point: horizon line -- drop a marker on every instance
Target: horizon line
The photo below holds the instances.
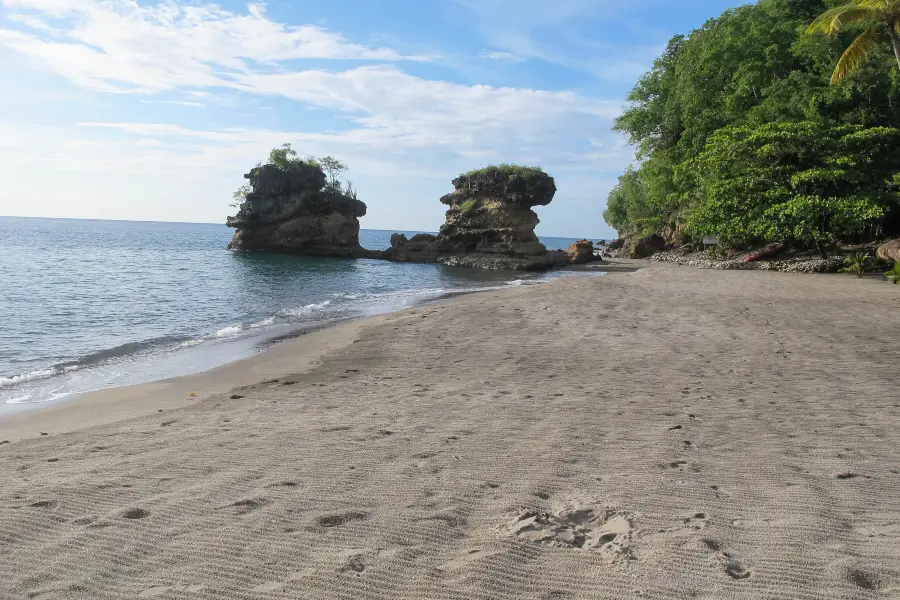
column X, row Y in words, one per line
column 565, row 237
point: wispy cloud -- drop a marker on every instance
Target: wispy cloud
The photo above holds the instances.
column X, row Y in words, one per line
column 119, row 45
column 549, row 31
column 503, row 56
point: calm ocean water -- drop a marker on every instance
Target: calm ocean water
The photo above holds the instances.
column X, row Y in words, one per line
column 86, row 305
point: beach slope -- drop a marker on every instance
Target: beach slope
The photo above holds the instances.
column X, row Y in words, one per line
column 669, row 433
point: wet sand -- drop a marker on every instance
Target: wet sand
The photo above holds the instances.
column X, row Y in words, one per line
column 668, row 433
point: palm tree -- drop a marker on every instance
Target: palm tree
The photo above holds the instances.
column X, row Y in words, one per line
column 884, row 13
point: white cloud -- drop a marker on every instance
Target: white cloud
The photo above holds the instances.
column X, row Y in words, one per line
column 111, row 45
column 393, row 128
column 503, row 57
column 163, row 172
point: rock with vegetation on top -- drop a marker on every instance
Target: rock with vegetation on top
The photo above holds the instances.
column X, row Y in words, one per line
column 292, row 208
column 489, row 223
column 890, row 250
column 581, row 252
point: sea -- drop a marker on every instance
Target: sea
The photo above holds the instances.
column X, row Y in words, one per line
column 91, row 304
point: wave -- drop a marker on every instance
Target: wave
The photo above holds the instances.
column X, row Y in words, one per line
column 89, row 360
column 229, row 331
column 306, row 310
column 263, row 323
column 129, row 348
column 26, row 377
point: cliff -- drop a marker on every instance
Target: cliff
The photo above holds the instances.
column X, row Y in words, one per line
column 293, row 210
column 489, row 223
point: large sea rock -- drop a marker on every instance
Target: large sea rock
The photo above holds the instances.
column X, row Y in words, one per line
column 294, row 211
column 489, row 224
column 580, row 252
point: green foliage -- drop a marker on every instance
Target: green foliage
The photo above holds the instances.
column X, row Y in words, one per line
column 515, row 183
column 286, row 159
column 283, row 157
column 334, row 169
column 509, row 170
column 857, row 263
column 797, row 182
column 240, row 196
column 756, row 70
column 468, row 206
column 894, row 274
column 879, row 17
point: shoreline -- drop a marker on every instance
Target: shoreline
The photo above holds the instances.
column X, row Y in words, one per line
column 303, row 346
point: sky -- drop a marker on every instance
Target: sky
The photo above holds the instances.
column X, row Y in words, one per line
column 147, row 110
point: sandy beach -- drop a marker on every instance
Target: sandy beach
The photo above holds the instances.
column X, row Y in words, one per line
column 668, row 433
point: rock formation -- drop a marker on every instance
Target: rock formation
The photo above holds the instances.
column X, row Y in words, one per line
column 293, row 210
column 580, row 252
column 643, row 247
column 489, row 223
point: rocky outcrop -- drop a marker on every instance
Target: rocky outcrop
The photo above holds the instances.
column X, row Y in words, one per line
column 643, row 247
column 580, row 252
column 293, row 210
column 890, row 251
column 489, row 223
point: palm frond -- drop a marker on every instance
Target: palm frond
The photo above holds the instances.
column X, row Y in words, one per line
column 837, row 19
column 856, row 53
column 884, row 6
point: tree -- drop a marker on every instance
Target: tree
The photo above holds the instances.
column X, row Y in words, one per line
column 881, row 15
column 240, row 196
column 283, row 157
column 796, row 182
column 748, row 67
column 333, row 168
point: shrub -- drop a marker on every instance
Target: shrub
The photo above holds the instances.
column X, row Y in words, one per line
column 510, row 170
column 856, row 263
column 894, row 274
column 468, row 206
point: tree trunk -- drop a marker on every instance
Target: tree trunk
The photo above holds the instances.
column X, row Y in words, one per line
column 895, row 39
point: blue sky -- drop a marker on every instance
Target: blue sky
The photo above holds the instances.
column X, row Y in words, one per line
column 124, row 109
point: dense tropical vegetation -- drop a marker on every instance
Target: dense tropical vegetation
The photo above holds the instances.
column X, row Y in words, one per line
column 740, row 133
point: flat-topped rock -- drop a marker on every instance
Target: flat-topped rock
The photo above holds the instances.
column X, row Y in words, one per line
column 489, row 223
column 293, row 209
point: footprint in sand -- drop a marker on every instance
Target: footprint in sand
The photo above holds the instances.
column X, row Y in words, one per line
column 697, row 521
column 735, row 566
column 336, row 520
column 592, row 528
column 355, row 565
column 242, row 507
column 135, row 513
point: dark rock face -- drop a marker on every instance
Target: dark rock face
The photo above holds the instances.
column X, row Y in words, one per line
column 489, row 224
column 644, row 247
column 294, row 211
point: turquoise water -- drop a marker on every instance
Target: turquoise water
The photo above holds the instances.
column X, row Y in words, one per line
column 86, row 305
